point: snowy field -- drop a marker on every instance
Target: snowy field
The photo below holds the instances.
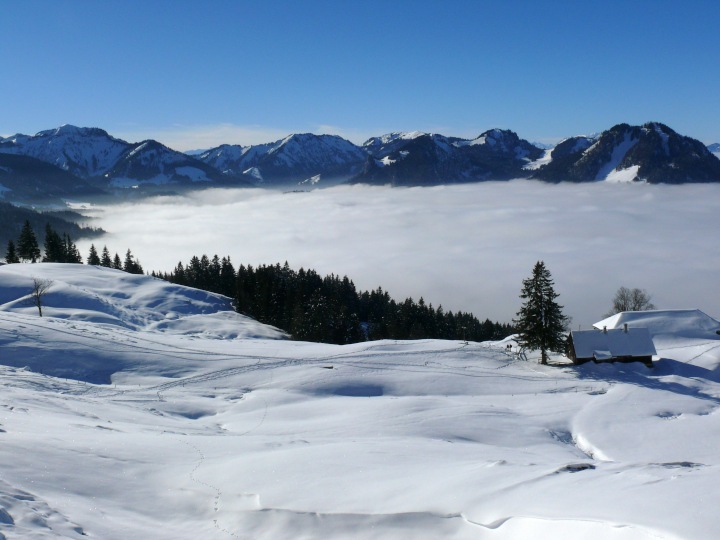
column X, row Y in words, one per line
column 138, row 409
column 467, row 247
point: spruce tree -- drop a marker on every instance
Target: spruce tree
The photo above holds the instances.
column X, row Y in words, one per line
column 117, row 263
column 540, row 322
column 106, row 261
column 131, row 265
column 93, row 257
column 70, row 250
column 54, row 247
column 27, row 247
column 11, row 255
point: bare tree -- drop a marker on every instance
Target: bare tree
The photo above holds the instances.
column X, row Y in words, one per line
column 39, row 288
column 631, row 300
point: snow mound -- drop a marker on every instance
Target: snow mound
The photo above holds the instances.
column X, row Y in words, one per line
column 689, row 323
column 135, row 302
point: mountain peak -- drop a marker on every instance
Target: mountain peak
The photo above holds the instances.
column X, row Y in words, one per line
column 84, row 152
column 67, row 130
column 651, row 153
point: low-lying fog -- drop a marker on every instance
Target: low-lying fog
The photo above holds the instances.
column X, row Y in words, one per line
column 467, row 247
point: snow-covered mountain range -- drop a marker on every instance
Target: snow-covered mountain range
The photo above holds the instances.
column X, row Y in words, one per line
column 652, row 153
column 430, row 159
column 135, row 408
column 289, row 160
column 93, row 157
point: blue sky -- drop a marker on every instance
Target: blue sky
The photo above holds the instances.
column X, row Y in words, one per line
column 195, row 74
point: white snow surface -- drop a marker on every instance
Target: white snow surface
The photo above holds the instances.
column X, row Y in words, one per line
column 135, row 302
column 541, row 161
column 620, row 176
column 239, row 436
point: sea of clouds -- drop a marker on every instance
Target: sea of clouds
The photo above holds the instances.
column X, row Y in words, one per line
column 467, row 247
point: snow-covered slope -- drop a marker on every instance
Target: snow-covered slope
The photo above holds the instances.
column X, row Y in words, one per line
column 150, row 162
column 200, row 437
column 104, row 296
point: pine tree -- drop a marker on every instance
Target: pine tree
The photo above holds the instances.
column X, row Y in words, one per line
column 27, row 247
column 106, row 261
column 11, row 255
column 117, row 263
column 93, row 257
column 540, row 323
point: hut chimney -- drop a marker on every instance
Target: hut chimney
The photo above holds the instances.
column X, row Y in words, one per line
column 625, row 328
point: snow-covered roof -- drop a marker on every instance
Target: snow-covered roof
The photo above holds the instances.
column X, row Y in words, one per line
column 678, row 322
column 603, row 345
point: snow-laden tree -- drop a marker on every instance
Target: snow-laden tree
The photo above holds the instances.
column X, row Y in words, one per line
column 540, row 322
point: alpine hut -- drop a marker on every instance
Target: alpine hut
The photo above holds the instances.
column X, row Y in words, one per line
column 614, row 345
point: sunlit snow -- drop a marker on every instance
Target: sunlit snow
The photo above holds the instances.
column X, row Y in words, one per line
column 199, row 436
column 618, row 176
column 543, row 160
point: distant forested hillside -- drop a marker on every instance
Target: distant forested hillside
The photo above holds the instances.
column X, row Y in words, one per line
column 13, row 217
